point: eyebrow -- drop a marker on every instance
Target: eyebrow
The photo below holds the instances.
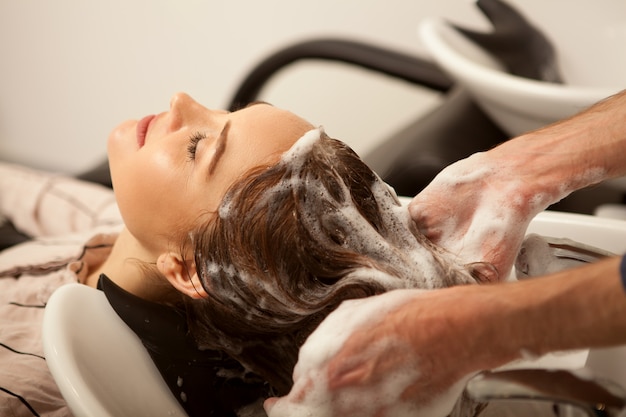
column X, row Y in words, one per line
column 220, row 147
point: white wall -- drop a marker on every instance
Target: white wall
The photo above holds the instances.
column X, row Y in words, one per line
column 70, row 70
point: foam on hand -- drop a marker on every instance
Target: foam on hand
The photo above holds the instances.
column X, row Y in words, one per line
column 311, row 378
column 494, row 209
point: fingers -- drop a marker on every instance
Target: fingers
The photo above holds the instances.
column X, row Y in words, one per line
column 427, row 219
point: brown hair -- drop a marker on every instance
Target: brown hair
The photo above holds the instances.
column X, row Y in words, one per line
column 283, row 254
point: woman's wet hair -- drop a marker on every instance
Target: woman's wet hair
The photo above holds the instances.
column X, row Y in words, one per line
column 291, row 242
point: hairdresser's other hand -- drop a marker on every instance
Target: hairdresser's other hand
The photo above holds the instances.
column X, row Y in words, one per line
column 479, row 209
column 368, row 359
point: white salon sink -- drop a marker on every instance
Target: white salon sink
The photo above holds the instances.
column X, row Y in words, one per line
column 590, row 56
column 99, row 364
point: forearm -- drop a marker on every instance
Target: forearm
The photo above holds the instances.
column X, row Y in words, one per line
column 568, row 155
column 579, row 308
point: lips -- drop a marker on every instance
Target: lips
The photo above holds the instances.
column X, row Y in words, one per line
column 142, row 129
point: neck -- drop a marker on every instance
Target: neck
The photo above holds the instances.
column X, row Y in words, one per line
column 130, row 266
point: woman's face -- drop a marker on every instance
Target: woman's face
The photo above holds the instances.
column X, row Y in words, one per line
column 170, row 169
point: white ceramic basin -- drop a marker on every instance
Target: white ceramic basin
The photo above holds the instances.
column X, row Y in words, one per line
column 99, row 364
column 519, row 104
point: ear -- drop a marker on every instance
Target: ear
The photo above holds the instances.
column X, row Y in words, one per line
column 181, row 274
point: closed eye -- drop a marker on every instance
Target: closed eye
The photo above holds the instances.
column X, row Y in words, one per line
column 194, row 139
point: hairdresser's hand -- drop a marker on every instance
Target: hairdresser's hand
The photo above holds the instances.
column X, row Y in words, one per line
column 401, row 353
column 479, row 210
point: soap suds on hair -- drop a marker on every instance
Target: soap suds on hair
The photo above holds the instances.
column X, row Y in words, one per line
column 337, row 211
column 399, row 247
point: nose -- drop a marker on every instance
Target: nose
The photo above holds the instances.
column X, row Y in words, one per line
column 181, row 109
column 181, row 100
column 184, row 110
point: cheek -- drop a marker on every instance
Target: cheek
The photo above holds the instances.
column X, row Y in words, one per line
column 148, row 191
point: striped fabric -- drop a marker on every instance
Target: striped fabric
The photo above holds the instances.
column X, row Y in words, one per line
column 73, row 225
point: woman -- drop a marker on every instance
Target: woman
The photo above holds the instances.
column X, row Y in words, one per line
column 232, row 228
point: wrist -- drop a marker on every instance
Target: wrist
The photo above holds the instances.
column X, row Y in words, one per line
column 544, row 167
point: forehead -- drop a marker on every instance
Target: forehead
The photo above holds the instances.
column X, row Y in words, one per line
column 276, row 117
column 264, row 125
